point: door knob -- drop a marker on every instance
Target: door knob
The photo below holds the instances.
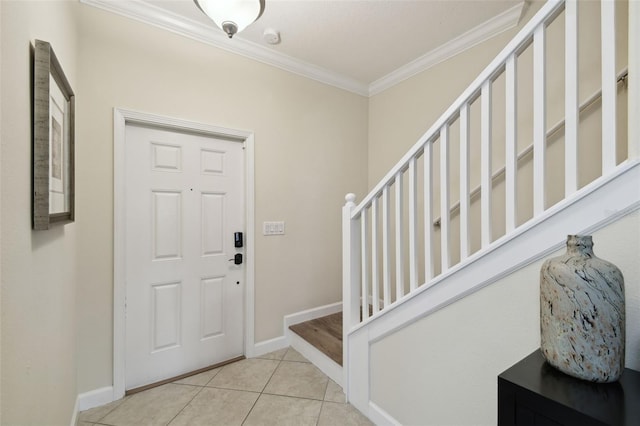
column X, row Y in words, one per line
column 237, row 259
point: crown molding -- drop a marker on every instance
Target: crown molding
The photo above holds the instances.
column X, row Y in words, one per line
column 149, row 14
column 161, row 18
column 494, row 26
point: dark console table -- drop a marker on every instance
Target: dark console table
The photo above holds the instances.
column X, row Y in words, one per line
column 534, row 393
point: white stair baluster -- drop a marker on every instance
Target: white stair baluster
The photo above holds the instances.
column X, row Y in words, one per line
column 633, row 86
column 445, row 255
column 539, row 121
column 375, row 283
column 485, row 168
column 364, row 236
column 386, row 248
column 399, row 238
column 571, row 98
column 609, row 88
column 428, row 212
column 465, row 245
column 511, row 145
column 413, row 226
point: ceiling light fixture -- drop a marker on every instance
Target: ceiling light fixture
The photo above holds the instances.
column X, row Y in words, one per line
column 232, row 16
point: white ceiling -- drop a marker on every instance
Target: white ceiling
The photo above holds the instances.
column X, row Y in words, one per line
column 360, row 45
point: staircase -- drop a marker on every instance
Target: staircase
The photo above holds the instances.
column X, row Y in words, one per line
column 425, row 238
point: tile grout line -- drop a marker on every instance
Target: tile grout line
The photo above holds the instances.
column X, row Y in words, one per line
column 186, row 405
column 320, row 413
column 324, row 398
column 271, row 376
column 291, row 396
column 230, row 389
column 194, row 396
column 263, row 388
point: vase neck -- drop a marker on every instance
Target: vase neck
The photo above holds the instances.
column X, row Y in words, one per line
column 580, row 245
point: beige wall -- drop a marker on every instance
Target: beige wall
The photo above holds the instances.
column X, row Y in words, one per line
column 309, row 139
column 38, row 268
column 449, row 376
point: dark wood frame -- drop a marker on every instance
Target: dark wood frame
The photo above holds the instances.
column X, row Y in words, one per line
column 45, row 66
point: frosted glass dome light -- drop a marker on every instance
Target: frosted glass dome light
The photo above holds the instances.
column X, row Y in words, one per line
column 232, row 16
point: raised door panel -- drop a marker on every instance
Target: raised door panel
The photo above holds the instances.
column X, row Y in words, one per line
column 213, row 223
column 166, row 316
column 166, row 158
column 166, row 225
column 212, row 162
column 212, row 307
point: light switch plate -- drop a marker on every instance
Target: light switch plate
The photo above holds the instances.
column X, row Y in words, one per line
column 273, row 228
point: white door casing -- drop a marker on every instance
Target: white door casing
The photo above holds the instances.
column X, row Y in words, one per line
column 175, row 291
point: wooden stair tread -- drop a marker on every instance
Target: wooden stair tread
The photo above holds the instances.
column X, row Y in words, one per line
column 325, row 334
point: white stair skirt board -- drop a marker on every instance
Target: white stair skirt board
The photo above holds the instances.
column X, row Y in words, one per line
column 317, row 358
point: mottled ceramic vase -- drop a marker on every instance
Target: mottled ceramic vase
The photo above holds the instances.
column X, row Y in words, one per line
column 582, row 313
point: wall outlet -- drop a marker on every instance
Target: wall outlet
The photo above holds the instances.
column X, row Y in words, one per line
column 273, row 228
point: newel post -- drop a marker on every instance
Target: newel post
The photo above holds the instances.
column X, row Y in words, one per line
column 350, row 281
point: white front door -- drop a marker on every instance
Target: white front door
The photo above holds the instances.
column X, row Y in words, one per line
column 184, row 298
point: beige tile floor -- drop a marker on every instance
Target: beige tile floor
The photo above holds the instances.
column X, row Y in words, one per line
column 280, row 388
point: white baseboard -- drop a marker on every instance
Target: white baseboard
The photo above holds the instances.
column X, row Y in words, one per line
column 309, row 314
column 95, row 398
column 380, row 417
column 267, row 346
column 317, row 358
